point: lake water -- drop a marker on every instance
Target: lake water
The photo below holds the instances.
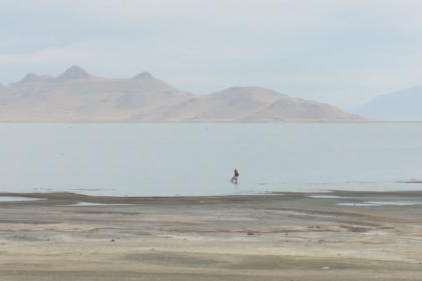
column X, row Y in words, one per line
column 198, row 159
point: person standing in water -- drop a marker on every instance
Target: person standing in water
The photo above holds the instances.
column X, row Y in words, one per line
column 235, row 178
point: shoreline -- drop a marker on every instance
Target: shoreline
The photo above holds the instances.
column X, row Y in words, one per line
column 285, row 194
column 284, row 236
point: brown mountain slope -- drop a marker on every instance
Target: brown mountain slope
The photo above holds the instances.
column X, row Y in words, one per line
column 298, row 110
column 77, row 96
column 254, row 104
column 231, row 104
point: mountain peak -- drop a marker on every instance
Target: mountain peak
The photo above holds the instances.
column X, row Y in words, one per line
column 74, row 72
column 143, row 75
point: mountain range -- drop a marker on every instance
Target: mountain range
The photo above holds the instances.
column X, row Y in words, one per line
column 404, row 105
column 77, row 96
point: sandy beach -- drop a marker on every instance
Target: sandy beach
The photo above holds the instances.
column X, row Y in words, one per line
column 285, row 236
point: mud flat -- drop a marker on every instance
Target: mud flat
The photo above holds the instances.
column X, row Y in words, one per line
column 287, row 236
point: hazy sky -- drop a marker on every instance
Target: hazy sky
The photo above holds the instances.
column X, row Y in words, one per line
column 337, row 51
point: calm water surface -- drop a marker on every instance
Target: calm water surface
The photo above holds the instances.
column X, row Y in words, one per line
column 198, row 159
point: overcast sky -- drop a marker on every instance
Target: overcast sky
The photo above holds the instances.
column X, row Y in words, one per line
column 337, row 51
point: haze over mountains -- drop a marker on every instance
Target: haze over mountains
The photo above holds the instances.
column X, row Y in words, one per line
column 77, row 96
column 405, row 105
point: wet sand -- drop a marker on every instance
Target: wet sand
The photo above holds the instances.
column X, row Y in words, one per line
column 284, row 236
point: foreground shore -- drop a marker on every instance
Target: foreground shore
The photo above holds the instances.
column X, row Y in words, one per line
column 286, row 236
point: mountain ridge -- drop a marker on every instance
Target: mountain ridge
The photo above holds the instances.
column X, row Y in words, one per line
column 402, row 105
column 78, row 96
column 74, row 72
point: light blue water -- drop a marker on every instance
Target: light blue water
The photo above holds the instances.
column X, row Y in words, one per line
column 198, row 159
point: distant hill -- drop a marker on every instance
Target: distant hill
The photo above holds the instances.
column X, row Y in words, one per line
column 77, row 96
column 402, row 105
